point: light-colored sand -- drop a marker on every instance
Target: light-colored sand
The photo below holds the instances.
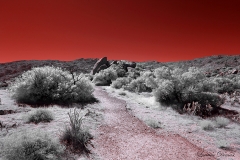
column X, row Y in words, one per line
column 123, row 136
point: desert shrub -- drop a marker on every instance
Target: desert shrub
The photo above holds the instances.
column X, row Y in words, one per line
column 133, row 73
column 147, row 74
column 223, row 85
column 162, row 73
column 165, row 93
column 151, row 83
column 89, row 76
column 138, row 85
column 149, row 79
column 177, row 72
column 193, row 76
column 181, row 87
column 222, row 122
column 140, row 66
column 207, row 125
column 121, row 72
column 105, row 77
column 40, row 115
column 120, row 82
column 152, row 123
column 76, row 137
column 51, row 85
column 223, row 144
column 236, row 82
column 32, row 145
column 203, row 98
column 122, row 93
column 207, row 85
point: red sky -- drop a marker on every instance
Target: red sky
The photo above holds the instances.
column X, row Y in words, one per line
column 138, row 30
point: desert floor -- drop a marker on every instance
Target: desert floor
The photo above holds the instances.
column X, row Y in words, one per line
column 120, row 124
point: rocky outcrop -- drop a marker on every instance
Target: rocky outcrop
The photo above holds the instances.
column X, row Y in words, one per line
column 103, row 63
column 100, row 64
column 125, row 66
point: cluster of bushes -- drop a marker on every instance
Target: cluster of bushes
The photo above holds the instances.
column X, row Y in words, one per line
column 45, row 86
column 51, row 85
column 38, row 145
column 105, row 77
column 219, row 122
column 133, row 80
column 176, row 86
column 172, row 86
column 32, row 145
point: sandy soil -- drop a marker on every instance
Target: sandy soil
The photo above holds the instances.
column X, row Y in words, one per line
column 16, row 122
column 120, row 132
column 123, row 136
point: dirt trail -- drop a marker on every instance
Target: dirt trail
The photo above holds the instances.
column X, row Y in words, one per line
column 122, row 136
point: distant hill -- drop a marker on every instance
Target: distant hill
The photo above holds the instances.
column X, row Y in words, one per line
column 212, row 65
column 13, row 69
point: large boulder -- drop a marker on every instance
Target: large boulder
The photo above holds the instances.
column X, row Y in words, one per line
column 101, row 62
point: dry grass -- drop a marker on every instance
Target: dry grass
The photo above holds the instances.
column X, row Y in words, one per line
column 40, row 115
column 223, row 144
column 221, row 122
column 75, row 137
column 32, row 145
column 207, row 125
column 152, row 123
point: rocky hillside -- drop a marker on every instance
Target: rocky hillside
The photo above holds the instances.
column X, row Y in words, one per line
column 13, row 69
column 212, row 66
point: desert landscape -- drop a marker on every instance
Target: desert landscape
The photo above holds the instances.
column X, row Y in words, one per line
column 107, row 109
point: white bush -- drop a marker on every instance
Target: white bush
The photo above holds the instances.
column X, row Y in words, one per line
column 207, row 125
column 48, row 85
column 32, row 145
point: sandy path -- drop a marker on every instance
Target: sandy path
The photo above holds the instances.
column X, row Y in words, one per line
column 123, row 136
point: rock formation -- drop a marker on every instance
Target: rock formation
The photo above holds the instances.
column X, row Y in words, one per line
column 101, row 62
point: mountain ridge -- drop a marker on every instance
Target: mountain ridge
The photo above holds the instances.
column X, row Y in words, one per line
column 10, row 70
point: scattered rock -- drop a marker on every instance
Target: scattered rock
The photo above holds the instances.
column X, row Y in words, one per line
column 234, row 71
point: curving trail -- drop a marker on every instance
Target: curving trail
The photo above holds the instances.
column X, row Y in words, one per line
column 124, row 137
